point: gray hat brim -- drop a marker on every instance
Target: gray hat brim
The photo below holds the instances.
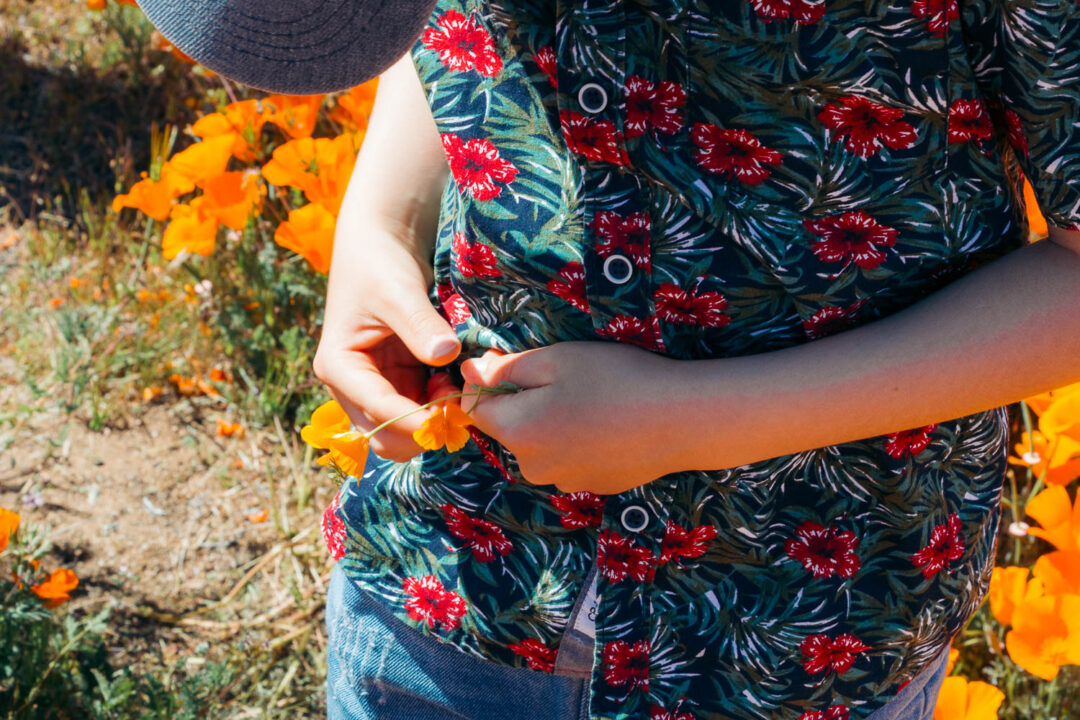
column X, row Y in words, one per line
column 299, row 47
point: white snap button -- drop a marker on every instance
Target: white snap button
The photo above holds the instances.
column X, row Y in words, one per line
column 618, row 269
column 592, row 98
column 634, row 518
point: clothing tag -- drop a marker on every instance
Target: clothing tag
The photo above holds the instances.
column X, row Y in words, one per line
column 585, row 622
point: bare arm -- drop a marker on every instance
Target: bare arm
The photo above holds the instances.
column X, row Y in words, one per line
column 380, row 329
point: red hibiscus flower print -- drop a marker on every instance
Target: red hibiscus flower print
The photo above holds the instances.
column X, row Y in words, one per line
column 653, row 106
column 908, row 442
column 579, row 509
column 828, row 320
column 868, row 126
column 333, row 530
column 658, row 713
column 570, row 285
column 937, row 14
column 675, row 305
column 821, row 653
column 628, row 235
column 626, row 664
column 679, row 542
column 619, row 558
column 823, row 551
column 476, row 166
column 595, row 140
column 545, row 60
column 969, row 120
column 485, row 538
column 853, row 236
column 454, row 307
column 432, row 603
column 801, row 11
column 1015, row 132
column 488, row 454
column 946, row 545
column 733, row 153
column 463, row 45
column 474, row 259
column 629, row 329
column 537, row 655
column 835, row 712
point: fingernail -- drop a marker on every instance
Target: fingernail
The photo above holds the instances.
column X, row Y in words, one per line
column 443, row 346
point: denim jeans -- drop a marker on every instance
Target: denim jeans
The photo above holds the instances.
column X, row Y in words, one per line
column 379, row 668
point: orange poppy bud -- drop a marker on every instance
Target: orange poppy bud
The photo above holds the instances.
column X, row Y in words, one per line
column 9, row 523
column 56, row 590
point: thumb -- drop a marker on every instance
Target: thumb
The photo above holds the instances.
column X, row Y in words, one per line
column 528, row 369
column 426, row 334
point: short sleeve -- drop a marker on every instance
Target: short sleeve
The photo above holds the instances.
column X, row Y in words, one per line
column 1026, row 59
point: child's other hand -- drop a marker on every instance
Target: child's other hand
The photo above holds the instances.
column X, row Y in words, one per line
column 589, row 416
column 379, row 333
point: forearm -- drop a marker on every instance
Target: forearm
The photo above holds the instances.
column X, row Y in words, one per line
column 1006, row 331
column 401, row 169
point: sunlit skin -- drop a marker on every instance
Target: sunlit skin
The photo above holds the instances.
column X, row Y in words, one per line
column 606, row 417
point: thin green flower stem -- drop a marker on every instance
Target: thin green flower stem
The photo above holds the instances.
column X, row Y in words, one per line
column 480, row 390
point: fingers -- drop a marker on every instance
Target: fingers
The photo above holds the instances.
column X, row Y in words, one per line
column 528, row 369
column 408, row 312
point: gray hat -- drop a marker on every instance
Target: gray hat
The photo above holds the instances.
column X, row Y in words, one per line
column 299, row 47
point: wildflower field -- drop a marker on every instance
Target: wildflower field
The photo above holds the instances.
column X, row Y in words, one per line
column 164, row 241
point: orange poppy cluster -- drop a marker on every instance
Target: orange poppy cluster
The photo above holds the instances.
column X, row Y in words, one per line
column 53, row 590
column 232, row 188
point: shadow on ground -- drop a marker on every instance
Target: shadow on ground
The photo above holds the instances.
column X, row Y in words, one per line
column 67, row 131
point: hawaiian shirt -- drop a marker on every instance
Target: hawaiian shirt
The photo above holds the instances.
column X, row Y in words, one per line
column 706, row 179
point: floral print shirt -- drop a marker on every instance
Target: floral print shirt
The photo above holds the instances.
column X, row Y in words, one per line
column 713, row 178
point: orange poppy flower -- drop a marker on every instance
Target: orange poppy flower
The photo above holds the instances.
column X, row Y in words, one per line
column 233, row 197
column 352, row 109
column 295, row 164
column 294, row 114
column 203, row 160
column 153, row 197
column 445, row 427
column 257, row 517
column 1045, row 634
column 1036, row 221
column 950, row 663
column 330, row 429
column 1062, row 417
column 151, row 393
column 225, row 429
column 1009, row 587
column 309, row 232
column 244, row 118
column 1060, row 518
column 9, row 523
column 335, row 160
column 1057, row 461
column 96, row 4
column 192, row 229
column 56, row 590
column 1058, row 572
column 184, row 386
column 961, row 699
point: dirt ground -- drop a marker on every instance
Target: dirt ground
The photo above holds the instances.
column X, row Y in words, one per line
column 158, row 518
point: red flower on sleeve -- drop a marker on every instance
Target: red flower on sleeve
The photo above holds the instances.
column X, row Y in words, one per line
column 545, row 60
column 831, row 319
column 477, row 166
column 803, row 12
column 463, row 45
column 595, row 140
column 852, row 236
column 675, row 305
column 679, row 542
column 474, row 259
column 626, row 234
column 937, row 13
column 618, row 558
column 969, row 120
column 629, row 329
column 908, row 442
column 333, row 530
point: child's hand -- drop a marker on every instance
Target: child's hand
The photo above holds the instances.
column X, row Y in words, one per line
column 588, row 417
column 379, row 334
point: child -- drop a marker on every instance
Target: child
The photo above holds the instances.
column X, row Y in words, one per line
column 759, row 269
